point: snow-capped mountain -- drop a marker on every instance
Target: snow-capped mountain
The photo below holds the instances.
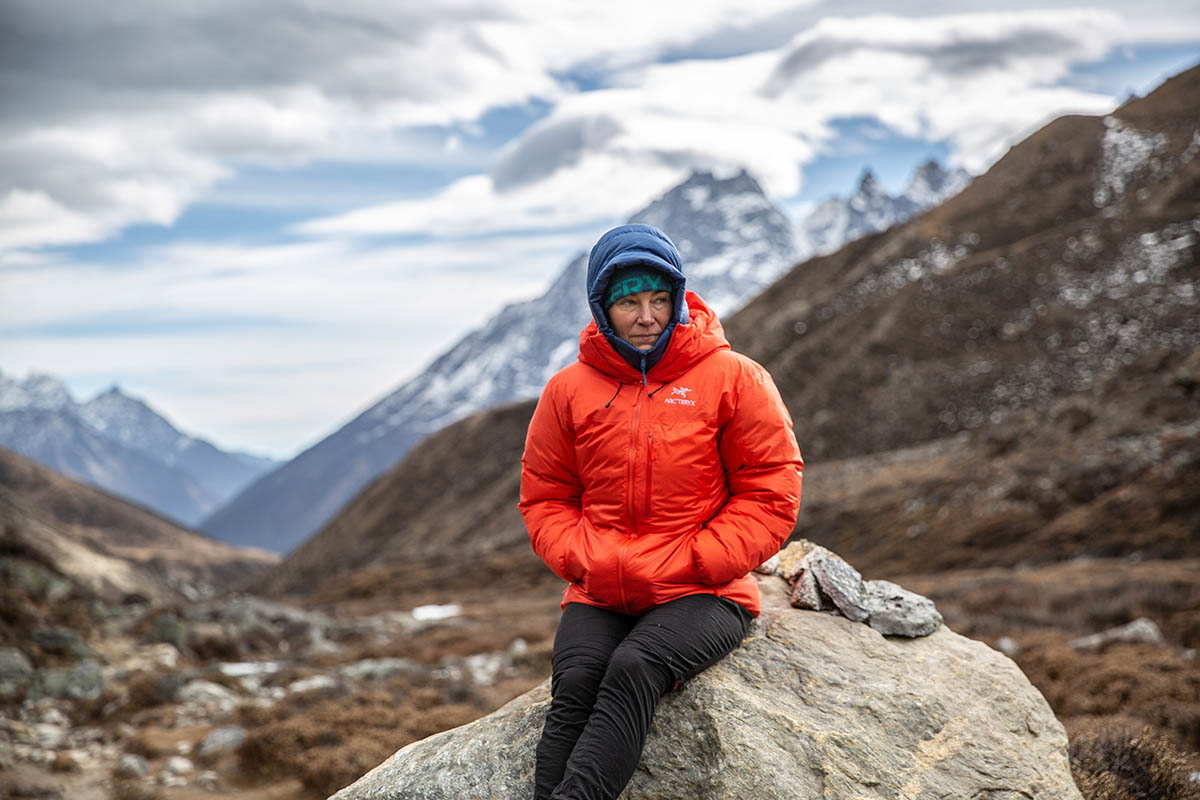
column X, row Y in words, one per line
column 733, row 241
column 117, row 443
column 871, row 209
column 933, row 184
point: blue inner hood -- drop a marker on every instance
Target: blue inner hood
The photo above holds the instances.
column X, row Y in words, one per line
column 625, row 246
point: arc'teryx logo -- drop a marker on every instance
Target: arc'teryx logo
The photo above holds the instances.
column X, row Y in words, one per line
column 679, row 397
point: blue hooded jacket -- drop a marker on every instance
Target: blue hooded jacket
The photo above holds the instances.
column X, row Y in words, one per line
column 625, row 246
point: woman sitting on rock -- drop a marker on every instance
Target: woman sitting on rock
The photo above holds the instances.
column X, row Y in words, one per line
column 659, row 470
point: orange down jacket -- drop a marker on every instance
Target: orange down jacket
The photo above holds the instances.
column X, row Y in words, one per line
column 638, row 492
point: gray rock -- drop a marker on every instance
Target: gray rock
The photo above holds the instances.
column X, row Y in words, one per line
column 34, row 579
column 811, row 705
column 805, row 592
column 167, row 628
column 15, row 671
column 49, row 735
column 131, row 766
column 178, row 765
column 842, row 583
column 62, row 642
column 83, row 681
column 791, row 558
column 895, row 611
column 1141, row 630
column 221, row 740
column 1008, row 646
column 381, row 669
column 209, row 781
column 315, row 683
column 769, row 567
column 209, row 697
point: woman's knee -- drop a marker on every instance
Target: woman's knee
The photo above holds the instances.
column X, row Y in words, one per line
column 634, row 666
column 577, row 678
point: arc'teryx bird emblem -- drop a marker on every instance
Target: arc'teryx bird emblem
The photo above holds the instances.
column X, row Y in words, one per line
column 679, row 397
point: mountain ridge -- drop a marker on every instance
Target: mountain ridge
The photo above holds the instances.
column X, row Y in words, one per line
column 119, row 443
column 113, row 546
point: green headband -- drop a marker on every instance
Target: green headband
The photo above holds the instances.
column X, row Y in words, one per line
column 632, row 280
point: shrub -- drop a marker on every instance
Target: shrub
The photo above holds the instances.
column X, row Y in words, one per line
column 1113, row 765
column 334, row 741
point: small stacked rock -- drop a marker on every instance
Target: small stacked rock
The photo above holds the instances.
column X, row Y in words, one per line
column 821, row 580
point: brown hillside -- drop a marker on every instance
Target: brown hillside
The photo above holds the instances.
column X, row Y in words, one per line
column 110, row 545
column 1074, row 255
column 452, row 498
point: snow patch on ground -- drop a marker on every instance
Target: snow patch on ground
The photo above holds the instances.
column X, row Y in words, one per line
column 1125, row 151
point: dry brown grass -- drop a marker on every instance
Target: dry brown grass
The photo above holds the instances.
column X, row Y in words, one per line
column 1116, row 764
column 337, row 739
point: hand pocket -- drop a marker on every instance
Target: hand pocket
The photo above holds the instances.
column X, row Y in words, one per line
column 676, row 564
column 575, row 556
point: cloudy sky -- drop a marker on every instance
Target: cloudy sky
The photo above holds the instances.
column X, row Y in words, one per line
column 261, row 217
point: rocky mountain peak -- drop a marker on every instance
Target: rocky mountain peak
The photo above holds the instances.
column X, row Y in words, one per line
column 869, row 186
column 131, row 422
column 38, row 390
column 931, row 183
column 870, row 208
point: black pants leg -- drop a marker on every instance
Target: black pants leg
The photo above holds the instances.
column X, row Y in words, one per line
column 609, row 672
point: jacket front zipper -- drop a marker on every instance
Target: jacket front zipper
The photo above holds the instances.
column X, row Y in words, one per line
column 632, row 498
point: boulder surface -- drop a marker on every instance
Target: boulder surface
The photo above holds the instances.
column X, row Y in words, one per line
column 812, row 705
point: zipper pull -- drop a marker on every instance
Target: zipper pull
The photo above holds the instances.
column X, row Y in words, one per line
column 651, row 446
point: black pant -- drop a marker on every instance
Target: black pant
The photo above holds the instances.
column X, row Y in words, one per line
column 609, row 672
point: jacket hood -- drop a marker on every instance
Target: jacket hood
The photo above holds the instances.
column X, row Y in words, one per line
column 624, row 246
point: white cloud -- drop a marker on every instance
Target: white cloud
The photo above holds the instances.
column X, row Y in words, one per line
column 107, row 140
column 980, row 82
column 225, row 338
column 129, row 111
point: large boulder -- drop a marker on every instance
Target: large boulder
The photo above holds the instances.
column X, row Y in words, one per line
column 812, row 705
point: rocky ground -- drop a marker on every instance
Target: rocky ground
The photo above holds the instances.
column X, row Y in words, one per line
column 252, row 699
column 239, row 697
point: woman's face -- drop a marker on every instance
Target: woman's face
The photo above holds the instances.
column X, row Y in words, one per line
column 640, row 318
